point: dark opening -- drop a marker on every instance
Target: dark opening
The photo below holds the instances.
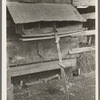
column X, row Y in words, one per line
column 62, row 24
column 31, row 25
column 46, row 24
column 74, row 23
column 86, row 10
column 89, row 24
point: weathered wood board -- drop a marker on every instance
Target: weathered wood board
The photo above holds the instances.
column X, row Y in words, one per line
column 84, row 2
column 39, row 67
column 38, row 51
column 81, row 50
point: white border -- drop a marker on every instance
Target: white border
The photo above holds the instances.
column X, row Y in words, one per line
column 4, row 63
column 96, row 58
column 4, row 52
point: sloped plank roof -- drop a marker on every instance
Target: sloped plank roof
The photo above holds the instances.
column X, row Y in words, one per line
column 89, row 15
column 26, row 12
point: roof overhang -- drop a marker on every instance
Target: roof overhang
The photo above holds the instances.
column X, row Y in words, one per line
column 27, row 13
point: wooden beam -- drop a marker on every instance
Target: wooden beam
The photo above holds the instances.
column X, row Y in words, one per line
column 34, row 39
column 62, row 34
column 85, row 33
column 83, row 2
column 80, row 50
column 50, row 34
column 10, row 95
column 39, row 67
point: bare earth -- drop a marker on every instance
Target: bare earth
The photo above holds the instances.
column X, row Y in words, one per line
column 79, row 88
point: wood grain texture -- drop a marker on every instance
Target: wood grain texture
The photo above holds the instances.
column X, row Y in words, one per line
column 26, row 52
column 81, row 50
column 28, row 12
column 34, row 68
column 84, row 2
column 63, row 34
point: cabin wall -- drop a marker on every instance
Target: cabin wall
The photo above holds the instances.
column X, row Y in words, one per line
column 20, row 52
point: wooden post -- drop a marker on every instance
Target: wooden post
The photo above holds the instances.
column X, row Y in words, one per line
column 61, row 66
column 10, row 95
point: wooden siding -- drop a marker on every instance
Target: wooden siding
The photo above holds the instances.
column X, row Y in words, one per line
column 38, row 51
column 21, row 53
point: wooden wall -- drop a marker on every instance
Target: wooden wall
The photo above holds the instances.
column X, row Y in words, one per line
column 20, row 52
column 37, row 51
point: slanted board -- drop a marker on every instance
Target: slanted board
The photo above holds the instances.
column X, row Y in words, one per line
column 39, row 67
column 29, row 12
column 89, row 15
column 82, row 49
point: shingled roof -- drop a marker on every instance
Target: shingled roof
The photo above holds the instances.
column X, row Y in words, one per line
column 26, row 12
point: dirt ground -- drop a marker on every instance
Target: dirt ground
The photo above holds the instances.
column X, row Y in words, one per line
column 79, row 88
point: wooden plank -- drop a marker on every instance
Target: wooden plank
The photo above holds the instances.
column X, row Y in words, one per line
column 80, row 50
column 39, row 67
column 89, row 15
column 51, row 33
column 82, row 33
column 84, row 2
column 34, row 39
column 70, row 28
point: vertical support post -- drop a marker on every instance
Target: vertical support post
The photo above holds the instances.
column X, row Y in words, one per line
column 61, row 66
column 10, row 95
column 90, row 40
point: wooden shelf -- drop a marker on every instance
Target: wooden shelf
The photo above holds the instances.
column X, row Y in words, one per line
column 62, row 34
column 40, row 67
